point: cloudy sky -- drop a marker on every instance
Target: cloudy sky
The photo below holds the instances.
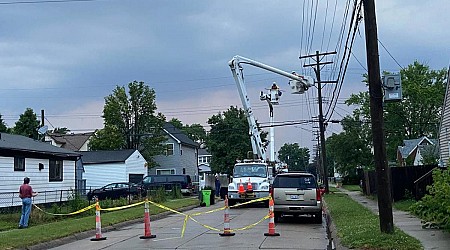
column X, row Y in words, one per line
column 65, row 56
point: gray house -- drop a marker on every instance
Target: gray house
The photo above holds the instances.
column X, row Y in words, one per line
column 180, row 156
column 51, row 169
column 444, row 130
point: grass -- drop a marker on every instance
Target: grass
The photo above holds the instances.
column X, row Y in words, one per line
column 358, row 227
column 352, row 187
column 22, row 238
column 404, row 205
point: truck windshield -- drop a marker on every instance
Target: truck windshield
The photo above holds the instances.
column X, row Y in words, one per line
column 253, row 170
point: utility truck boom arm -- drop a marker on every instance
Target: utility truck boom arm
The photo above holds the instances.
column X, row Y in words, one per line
column 298, row 83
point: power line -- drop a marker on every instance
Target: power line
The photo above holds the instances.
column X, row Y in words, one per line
column 46, row 2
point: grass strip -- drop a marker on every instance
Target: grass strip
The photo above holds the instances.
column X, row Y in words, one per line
column 357, row 227
column 22, row 238
column 352, row 187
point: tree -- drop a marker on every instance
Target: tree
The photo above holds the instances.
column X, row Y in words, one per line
column 195, row 131
column 418, row 114
column 228, row 139
column 27, row 125
column 297, row 158
column 131, row 122
column 3, row 127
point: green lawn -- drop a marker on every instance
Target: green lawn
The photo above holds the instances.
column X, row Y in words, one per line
column 358, row 227
column 22, row 238
column 352, row 187
column 404, row 205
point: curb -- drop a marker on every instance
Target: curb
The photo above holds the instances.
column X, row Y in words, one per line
column 334, row 241
column 91, row 233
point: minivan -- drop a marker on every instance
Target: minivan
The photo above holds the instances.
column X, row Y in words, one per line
column 168, row 182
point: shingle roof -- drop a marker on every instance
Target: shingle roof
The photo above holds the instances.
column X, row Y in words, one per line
column 410, row 145
column 71, row 141
column 106, row 156
column 25, row 144
column 203, row 151
column 178, row 134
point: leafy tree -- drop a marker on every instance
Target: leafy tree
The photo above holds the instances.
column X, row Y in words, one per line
column 3, row 127
column 27, row 125
column 228, row 139
column 195, row 131
column 131, row 122
column 418, row 114
column 297, row 158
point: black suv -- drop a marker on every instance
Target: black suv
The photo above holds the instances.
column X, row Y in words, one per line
column 169, row 181
column 296, row 193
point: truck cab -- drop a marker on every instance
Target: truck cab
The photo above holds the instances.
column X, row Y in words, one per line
column 251, row 180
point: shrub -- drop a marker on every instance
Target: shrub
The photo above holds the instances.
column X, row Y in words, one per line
column 434, row 208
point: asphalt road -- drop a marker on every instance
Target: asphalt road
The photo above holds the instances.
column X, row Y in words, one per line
column 295, row 233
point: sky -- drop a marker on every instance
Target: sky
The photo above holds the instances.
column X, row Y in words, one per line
column 65, row 57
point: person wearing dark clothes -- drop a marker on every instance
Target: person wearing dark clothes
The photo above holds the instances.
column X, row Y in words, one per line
column 25, row 193
column 217, row 183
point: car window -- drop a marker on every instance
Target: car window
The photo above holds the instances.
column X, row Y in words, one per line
column 110, row 186
column 175, row 178
column 303, row 182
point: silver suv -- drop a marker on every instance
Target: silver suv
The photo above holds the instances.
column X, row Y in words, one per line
column 295, row 194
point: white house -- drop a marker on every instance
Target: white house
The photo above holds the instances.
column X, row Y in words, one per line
column 51, row 169
column 104, row 167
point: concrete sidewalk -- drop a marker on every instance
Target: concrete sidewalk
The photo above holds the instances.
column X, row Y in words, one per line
column 411, row 225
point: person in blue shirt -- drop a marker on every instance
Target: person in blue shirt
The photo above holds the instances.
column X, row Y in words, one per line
column 217, row 183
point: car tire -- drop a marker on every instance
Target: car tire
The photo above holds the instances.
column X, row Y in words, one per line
column 318, row 218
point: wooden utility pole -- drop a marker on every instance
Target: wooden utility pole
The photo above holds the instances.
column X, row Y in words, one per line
column 376, row 113
column 323, row 158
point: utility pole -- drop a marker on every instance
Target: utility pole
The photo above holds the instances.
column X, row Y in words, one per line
column 376, row 113
column 323, row 158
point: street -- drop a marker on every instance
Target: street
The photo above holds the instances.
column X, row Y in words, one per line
column 295, row 233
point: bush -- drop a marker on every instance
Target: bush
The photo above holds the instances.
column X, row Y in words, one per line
column 158, row 195
column 434, row 208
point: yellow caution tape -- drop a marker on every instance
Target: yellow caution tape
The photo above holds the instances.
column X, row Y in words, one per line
column 72, row 213
column 207, row 212
column 167, row 208
column 122, row 207
column 251, row 225
column 251, row 201
column 204, row 225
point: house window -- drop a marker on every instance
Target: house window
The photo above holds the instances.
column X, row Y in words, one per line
column 19, row 164
column 55, row 170
column 169, row 149
column 165, row 171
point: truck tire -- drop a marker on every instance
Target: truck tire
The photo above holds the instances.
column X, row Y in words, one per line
column 231, row 203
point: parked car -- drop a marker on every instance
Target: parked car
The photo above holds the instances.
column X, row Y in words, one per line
column 296, row 194
column 115, row 191
column 168, row 182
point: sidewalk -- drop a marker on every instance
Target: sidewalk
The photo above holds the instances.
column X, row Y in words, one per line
column 411, row 225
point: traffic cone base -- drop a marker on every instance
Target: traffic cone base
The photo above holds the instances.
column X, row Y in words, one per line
column 271, row 234
column 98, row 239
column 148, row 236
column 227, row 234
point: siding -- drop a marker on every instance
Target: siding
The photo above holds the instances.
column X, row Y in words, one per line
column 444, row 131
column 177, row 161
column 11, row 180
column 135, row 164
column 98, row 175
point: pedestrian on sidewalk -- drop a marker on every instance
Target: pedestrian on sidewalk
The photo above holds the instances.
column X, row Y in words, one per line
column 217, row 184
column 26, row 193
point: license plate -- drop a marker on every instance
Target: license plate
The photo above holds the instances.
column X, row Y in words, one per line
column 294, row 197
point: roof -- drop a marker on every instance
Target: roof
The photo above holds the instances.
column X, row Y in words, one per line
column 203, row 151
column 410, row 145
column 24, row 144
column 179, row 135
column 71, row 141
column 106, row 156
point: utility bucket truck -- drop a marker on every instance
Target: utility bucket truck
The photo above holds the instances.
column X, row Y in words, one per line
column 252, row 178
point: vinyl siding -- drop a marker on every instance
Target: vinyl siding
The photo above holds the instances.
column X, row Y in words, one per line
column 135, row 164
column 98, row 175
column 444, row 130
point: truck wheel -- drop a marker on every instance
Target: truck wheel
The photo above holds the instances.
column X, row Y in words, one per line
column 276, row 217
column 318, row 218
column 231, row 203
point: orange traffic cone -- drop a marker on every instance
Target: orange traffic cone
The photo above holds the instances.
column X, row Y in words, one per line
column 98, row 223
column 147, row 231
column 271, row 220
column 226, row 220
column 249, row 186
column 241, row 188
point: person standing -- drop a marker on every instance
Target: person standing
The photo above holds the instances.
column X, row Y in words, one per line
column 217, row 183
column 25, row 193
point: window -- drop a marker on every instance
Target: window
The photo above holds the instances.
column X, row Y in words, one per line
column 169, row 149
column 165, row 171
column 55, row 170
column 19, row 164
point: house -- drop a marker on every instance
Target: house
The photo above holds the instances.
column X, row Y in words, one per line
column 75, row 142
column 412, row 151
column 51, row 169
column 107, row 166
column 204, row 158
column 444, row 130
column 180, row 155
